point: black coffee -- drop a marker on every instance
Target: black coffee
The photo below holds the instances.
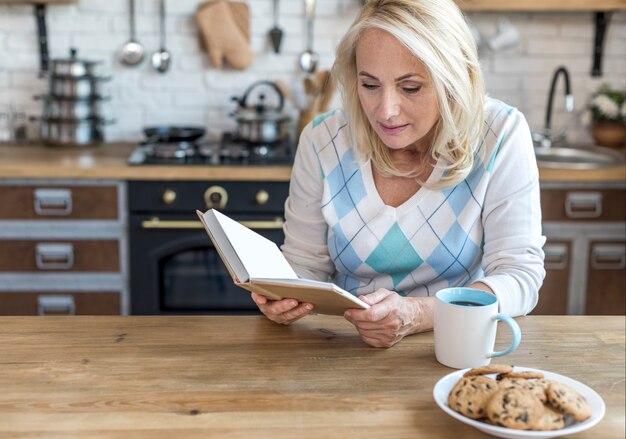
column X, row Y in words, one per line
column 465, row 303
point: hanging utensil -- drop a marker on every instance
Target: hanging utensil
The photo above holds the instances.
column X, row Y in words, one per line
column 161, row 59
column 308, row 58
column 132, row 53
column 276, row 33
column 42, row 37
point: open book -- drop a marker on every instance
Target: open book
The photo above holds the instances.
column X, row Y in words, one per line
column 256, row 264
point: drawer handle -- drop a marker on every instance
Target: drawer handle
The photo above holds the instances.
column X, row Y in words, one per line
column 556, row 256
column 583, row 204
column 54, row 256
column 55, row 305
column 156, row 223
column 608, row 256
column 56, row 202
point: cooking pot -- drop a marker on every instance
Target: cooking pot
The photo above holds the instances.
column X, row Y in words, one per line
column 260, row 123
column 78, row 132
column 73, row 67
column 76, row 87
column 71, row 108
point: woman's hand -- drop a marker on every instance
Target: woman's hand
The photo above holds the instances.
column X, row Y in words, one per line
column 284, row 311
column 391, row 317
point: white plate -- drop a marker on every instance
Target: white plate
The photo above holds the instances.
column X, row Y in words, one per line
column 444, row 386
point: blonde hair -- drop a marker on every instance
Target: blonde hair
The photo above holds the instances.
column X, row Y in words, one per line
column 435, row 31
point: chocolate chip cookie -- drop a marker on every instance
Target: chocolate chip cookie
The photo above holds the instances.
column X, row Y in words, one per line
column 491, row 368
column 550, row 420
column 564, row 398
column 471, row 394
column 526, row 375
column 515, row 408
column 538, row 387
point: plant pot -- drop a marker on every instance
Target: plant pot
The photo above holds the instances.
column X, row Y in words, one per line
column 609, row 134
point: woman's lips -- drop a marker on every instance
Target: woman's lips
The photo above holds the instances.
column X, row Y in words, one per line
column 392, row 129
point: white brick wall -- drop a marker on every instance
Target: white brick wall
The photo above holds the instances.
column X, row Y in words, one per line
column 193, row 92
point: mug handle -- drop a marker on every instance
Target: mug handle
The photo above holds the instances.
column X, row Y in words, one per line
column 517, row 334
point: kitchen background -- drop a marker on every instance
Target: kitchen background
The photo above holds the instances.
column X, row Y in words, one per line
column 193, row 92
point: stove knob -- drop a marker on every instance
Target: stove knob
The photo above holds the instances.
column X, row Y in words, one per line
column 169, row 196
column 262, row 197
column 215, row 197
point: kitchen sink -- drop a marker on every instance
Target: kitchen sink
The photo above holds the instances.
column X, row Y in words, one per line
column 578, row 157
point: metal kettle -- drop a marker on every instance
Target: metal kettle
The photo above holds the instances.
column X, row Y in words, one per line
column 260, row 122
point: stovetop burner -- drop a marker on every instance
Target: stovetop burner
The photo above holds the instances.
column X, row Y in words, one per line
column 176, row 150
column 228, row 151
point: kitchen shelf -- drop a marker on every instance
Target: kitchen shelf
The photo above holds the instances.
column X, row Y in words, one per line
column 540, row 5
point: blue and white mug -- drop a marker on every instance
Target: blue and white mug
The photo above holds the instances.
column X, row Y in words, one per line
column 465, row 326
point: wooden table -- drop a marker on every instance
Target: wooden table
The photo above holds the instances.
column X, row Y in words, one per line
column 226, row 377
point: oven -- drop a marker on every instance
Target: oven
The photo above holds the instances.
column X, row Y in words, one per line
column 174, row 268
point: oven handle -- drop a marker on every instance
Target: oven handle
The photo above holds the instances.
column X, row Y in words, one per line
column 156, row 223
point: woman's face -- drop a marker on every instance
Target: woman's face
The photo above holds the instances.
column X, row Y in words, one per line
column 395, row 91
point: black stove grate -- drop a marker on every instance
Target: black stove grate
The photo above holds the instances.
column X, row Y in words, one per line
column 228, row 151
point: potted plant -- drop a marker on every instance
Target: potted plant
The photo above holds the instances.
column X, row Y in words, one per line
column 607, row 114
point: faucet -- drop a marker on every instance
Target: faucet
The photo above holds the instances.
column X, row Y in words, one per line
column 546, row 139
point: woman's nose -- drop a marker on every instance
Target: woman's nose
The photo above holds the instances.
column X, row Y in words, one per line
column 390, row 105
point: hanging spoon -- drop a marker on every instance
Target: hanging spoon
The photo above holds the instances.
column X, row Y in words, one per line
column 132, row 52
column 308, row 58
column 161, row 59
column 276, row 33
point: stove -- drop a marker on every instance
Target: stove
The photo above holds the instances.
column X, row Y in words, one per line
column 227, row 151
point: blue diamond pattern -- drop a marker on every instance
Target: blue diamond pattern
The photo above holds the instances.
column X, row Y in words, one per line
column 457, row 197
column 457, row 255
column 348, row 283
column 341, row 252
column 386, row 259
column 346, row 179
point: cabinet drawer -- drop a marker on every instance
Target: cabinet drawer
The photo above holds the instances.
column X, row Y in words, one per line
column 59, row 202
column 33, row 303
column 583, row 205
column 59, row 256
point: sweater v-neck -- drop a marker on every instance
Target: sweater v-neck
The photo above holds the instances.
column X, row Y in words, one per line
column 410, row 204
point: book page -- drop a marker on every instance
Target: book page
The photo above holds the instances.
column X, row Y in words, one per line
column 260, row 257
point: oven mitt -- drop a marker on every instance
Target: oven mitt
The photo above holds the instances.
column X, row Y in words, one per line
column 224, row 33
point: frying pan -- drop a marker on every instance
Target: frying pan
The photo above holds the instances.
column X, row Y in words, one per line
column 166, row 133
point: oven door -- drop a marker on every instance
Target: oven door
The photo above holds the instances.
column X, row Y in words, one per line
column 176, row 270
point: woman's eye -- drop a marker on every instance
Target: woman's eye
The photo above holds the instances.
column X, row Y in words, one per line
column 411, row 90
column 369, row 86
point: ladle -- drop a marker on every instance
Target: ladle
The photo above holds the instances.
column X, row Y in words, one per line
column 161, row 59
column 132, row 53
column 308, row 58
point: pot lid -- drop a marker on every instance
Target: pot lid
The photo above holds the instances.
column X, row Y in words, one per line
column 73, row 59
column 253, row 107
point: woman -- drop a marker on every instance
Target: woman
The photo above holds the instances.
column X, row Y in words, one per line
column 422, row 183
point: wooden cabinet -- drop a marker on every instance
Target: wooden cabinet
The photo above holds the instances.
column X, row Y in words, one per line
column 59, row 202
column 25, row 303
column 541, row 5
column 558, row 264
column 606, row 278
column 585, row 250
column 63, row 247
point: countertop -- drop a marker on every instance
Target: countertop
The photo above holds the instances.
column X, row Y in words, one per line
column 109, row 162
column 242, row 377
